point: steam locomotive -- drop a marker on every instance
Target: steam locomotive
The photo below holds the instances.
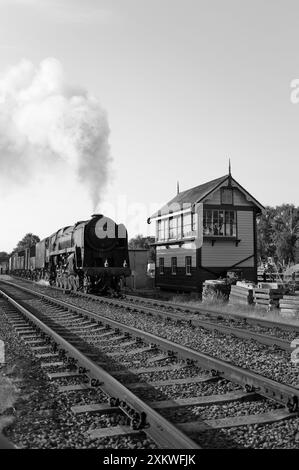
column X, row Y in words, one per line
column 91, row 256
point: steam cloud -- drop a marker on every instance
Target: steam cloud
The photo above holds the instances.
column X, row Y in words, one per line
column 45, row 120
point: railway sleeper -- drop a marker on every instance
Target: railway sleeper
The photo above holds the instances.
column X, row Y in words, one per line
column 291, row 402
column 95, row 383
column 293, row 405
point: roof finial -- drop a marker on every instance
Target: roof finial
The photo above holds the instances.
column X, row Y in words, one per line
column 229, row 167
column 177, row 187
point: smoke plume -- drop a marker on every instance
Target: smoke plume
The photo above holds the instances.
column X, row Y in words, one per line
column 44, row 120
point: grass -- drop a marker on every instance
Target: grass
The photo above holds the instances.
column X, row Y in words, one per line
column 216, row 303
column 8, row 396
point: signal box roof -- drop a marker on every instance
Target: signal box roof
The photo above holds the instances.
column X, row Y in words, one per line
column 198, row 193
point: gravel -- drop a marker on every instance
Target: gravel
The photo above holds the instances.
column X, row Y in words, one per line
column 266, row 360
column 269, row 361
column 199, row 413
column 236, row 322
column 41, row 415
column 281, row 435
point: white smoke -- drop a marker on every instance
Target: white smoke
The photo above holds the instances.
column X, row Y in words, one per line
column 43, row 119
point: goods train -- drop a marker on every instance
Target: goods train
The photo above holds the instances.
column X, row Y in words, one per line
column 91, row 256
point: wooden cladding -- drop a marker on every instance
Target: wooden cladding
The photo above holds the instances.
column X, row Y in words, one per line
column 226, row 253
column 179, row 253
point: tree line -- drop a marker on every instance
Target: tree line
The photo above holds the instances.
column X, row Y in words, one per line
column 27, row 241
column 277, row 233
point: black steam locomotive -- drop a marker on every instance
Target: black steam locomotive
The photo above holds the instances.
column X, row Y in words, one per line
column 91, row 256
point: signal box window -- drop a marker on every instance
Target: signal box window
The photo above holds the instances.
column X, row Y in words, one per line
column 173, row 265
column 173, row 227
column 188, row 264
column 187, row 225
column 162, row 230
column 161, row 265
column 219, row 223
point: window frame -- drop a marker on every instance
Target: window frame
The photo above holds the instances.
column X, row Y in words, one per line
column 161, row 265
column 190, row 233
column 209, row 216
column 174, row 266
column 188, row 266
column 172, row 228
column 179, row 226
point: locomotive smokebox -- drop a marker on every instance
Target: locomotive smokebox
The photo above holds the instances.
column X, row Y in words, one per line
column 105, row 228
column 101, row 232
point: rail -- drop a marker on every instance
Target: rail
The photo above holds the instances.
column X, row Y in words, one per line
column 269, row 388
column 160, row 430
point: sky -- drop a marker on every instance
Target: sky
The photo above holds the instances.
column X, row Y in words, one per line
column 180, row 86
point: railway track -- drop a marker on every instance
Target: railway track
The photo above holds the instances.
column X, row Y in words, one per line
column 183, row 312
column 210, row 313
column 263, row 331
column 140, row 417
column 112, row 343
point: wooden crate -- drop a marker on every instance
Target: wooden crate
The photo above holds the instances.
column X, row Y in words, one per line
column 240, row 294
column 267, row 297
column 289, row 306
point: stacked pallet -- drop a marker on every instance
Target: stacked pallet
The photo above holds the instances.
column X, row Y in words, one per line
column 289, row 305
column 214, row 290
column 241, row 293
column 269, row 276
column 267, row 295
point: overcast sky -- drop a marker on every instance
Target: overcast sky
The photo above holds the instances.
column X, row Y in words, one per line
column 186, row 84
